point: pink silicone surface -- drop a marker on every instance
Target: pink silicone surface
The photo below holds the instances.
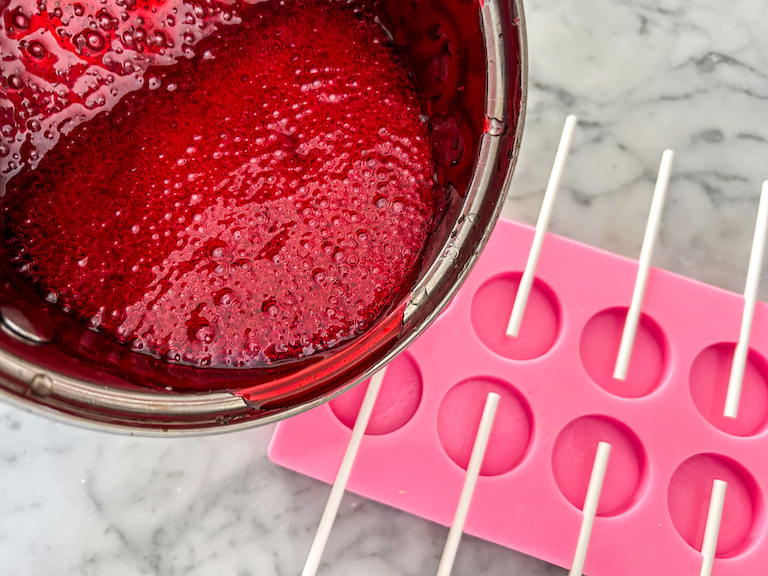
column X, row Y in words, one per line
column 558, row 400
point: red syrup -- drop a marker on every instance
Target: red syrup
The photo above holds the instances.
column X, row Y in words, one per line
column 265, row 200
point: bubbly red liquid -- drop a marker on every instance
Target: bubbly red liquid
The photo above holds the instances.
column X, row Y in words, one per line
column 265, row 200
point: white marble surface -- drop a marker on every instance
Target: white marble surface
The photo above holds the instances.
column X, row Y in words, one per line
column 643, row 75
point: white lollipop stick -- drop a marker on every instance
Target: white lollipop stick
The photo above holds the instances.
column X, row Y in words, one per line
column 342, row 476
column 712, row 527
column 644, row 264
column 750, row 297
column 473, row 471
column 590, row 507
column 524, row 290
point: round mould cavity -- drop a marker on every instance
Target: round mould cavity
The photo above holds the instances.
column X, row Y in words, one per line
column 492, row 306
column 688, row 496
column 574, row 453
column 708, row 384
column 458, row 417
column 397, row 402
column 599, row 348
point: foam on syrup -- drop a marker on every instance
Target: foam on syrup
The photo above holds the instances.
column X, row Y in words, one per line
column 265, row 200
column 64, row 62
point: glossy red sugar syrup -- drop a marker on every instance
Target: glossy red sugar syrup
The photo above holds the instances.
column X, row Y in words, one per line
column 263, row 200
column 64, row 62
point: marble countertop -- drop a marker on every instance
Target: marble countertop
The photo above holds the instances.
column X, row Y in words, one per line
column 642, row 75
